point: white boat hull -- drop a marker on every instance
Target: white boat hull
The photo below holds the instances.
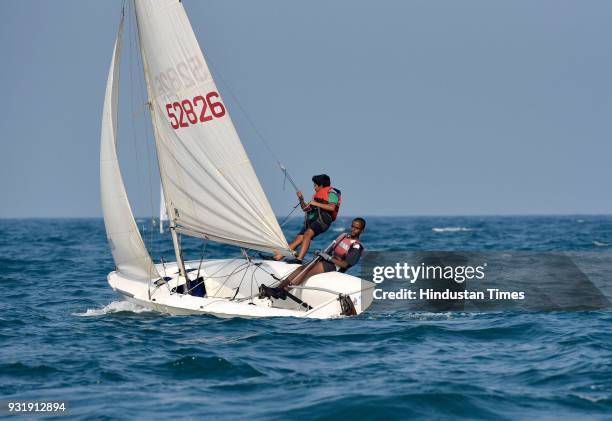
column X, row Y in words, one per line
column 232, row 288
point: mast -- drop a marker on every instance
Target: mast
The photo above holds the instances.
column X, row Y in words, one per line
column 169, row 209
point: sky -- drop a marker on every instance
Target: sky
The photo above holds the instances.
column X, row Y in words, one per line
column 412, row 107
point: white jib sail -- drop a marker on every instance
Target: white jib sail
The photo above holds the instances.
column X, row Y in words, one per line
column 210, row 185
column 131, row 256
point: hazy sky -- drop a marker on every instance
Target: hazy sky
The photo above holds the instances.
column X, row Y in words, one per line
column 412, row 107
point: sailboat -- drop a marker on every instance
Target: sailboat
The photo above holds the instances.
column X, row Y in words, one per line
column 210, row 191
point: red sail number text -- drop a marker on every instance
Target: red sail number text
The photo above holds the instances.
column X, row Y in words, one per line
column 198, row 110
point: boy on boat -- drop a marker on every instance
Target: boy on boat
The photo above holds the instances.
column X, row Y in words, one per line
column 320, row 213
column 343, row 253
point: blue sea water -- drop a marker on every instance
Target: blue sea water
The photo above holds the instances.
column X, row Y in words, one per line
column 65, row 335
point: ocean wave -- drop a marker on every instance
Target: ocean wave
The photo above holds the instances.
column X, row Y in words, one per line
column 19, row 369
column 451, row 229
column 218, row 339
column 208, row 367
column 114, row 307
column 600, row 244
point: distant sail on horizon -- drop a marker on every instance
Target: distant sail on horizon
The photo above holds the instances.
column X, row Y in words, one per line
column 163, row 215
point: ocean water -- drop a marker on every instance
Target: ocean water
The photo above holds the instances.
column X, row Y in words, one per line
column 65, row 335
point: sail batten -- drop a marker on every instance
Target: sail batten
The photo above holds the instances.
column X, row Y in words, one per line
column 210, row 185
column 128, row 249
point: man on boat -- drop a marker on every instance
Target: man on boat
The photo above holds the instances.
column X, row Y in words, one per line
column 342, row 254
column 320, row 213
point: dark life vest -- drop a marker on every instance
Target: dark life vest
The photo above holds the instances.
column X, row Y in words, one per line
column 322, row 196
column 344, row 245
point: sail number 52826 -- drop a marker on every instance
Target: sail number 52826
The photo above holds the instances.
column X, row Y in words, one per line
column 198, row 110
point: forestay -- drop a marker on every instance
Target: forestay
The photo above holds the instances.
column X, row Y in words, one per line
column 211, row 188
column 131, row 256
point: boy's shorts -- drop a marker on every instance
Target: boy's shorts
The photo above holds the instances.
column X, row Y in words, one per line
column 317, row 225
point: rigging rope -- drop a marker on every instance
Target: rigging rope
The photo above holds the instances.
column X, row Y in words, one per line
column 283, row 169
column 147, row 134
column 137, row 92
column 289, row 216
column 204, row 244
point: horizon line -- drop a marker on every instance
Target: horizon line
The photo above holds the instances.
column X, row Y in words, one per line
column 487, row 215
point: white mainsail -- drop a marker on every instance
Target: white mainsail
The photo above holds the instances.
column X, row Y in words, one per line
column 211, row 188
column 130, row 254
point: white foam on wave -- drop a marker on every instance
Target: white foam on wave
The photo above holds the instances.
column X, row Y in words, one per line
column 338, row 229
column 451, row 229
column 600, row 244
column 113, row 307
column 590, row 398
column 422, row 315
